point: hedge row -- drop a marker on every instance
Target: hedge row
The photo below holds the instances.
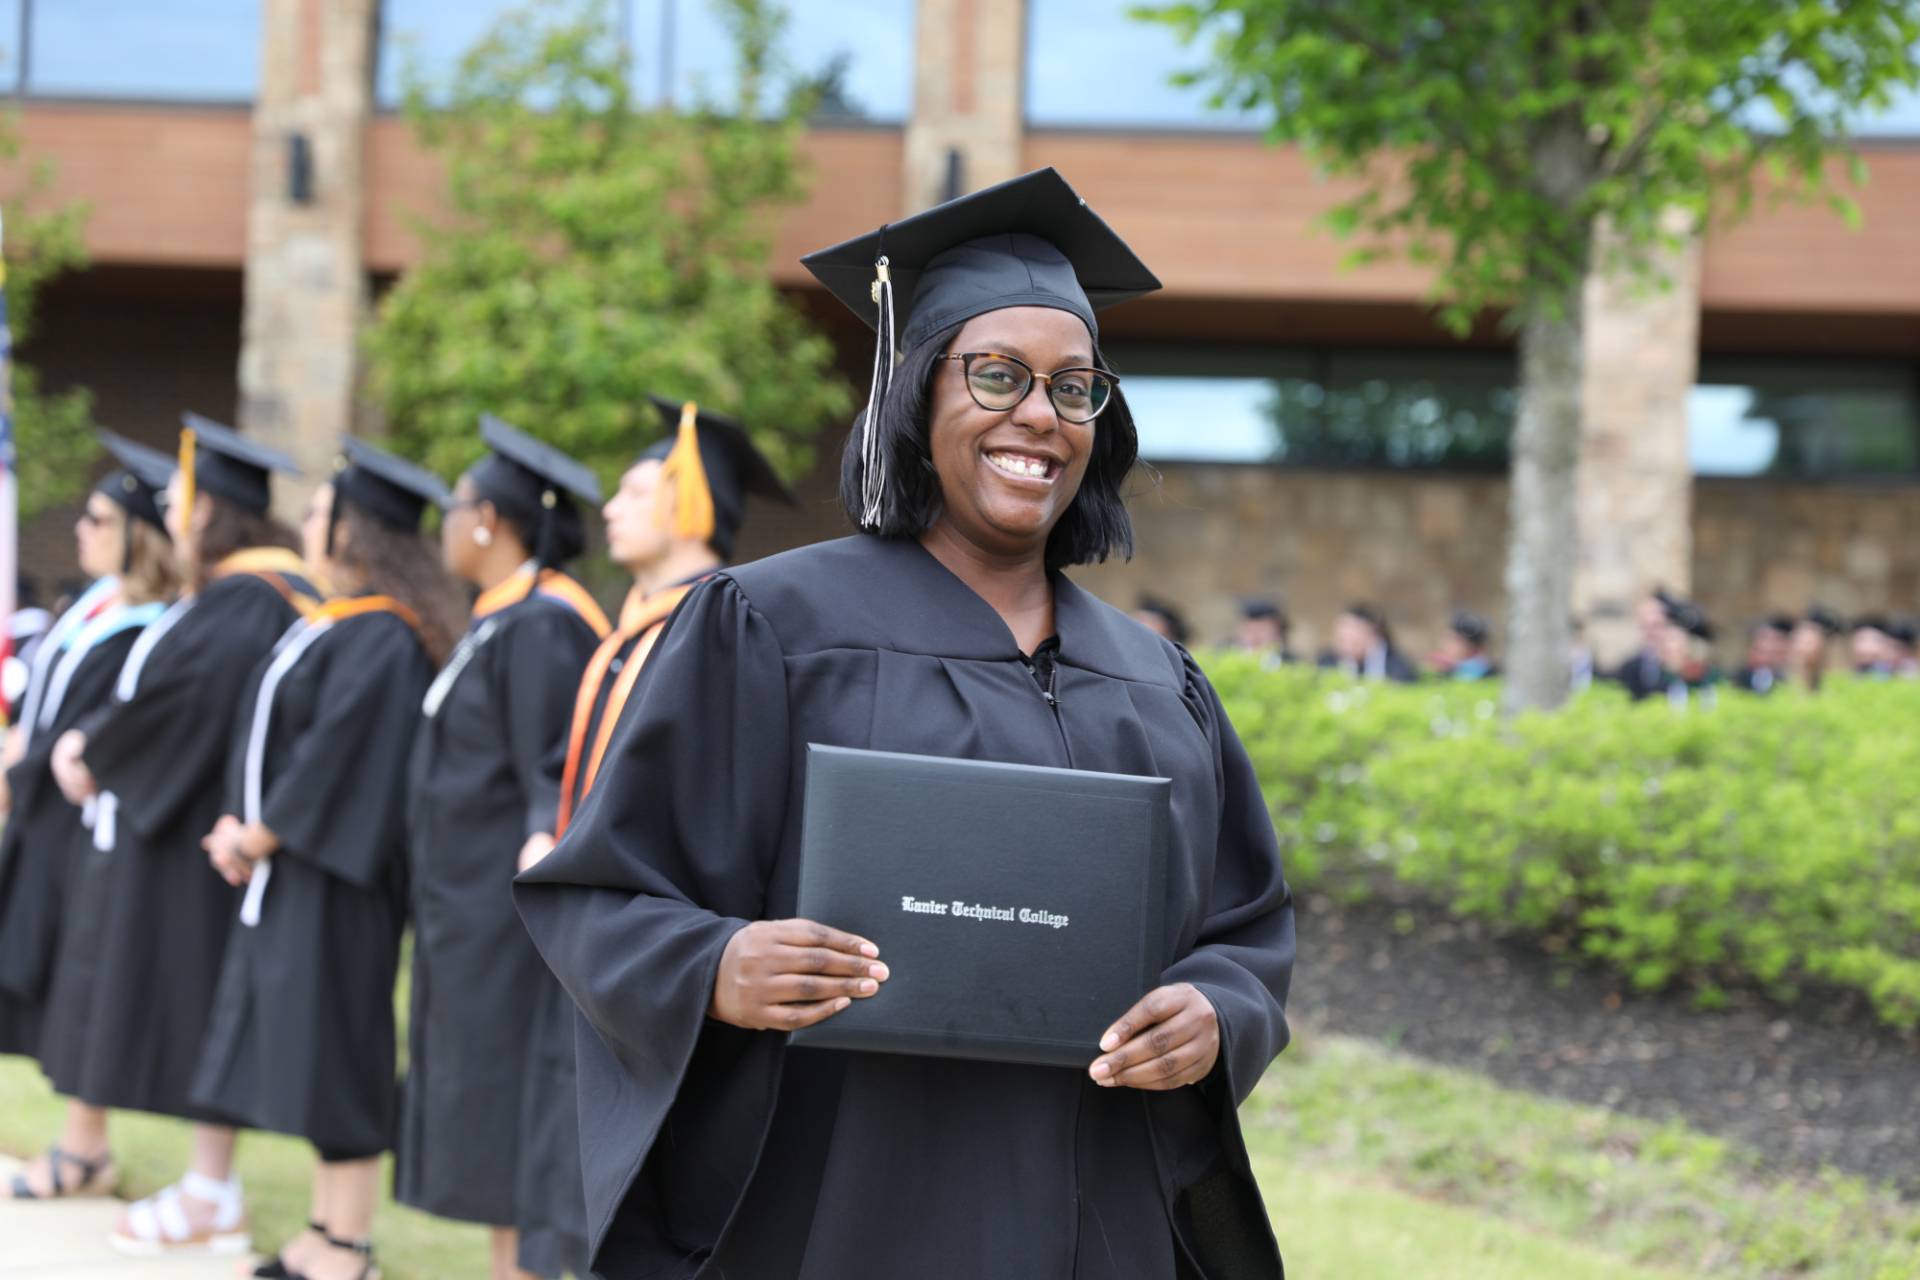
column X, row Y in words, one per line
column 1766, row 841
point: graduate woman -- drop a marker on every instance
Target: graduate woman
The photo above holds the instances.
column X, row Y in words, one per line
column 152, row 761
column 992, row 459
column 302, row 1036
column 122, row 543
column 494, row 717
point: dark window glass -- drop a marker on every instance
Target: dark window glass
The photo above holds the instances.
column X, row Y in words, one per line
column 1329, row 409
column 1805, row 418
column 1455, row 410
column 1090, row 65
column 184, row 50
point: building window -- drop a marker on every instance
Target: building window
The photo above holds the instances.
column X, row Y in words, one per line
column 173, row 50
column 1805, row 418
column 1091, row 65
column 682, row 54
column 1454, row 410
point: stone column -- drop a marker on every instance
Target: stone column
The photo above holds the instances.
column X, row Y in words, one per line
column 306, row 282
column 1636, row 480
column 968, row 107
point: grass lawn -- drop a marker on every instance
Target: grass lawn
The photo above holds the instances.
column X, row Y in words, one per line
column 1374, row 1166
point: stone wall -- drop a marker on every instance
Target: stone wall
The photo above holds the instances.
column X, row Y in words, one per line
column 1423, row 544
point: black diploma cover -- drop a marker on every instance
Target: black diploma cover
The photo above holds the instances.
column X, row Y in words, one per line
column 1020, row 909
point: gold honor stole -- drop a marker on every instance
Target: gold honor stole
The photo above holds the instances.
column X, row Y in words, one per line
column 642, row 619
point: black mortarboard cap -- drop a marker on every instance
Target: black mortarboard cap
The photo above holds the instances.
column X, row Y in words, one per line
column 1872, row 622
column 1167, row 612
column 1469, row 626
column 532, row 468
column 531, row 480
column 1781, row 623
column 1905, row 631
column 733, row 467
column 1689, row 617
column 392, row 490
column 1029, row 241
column 1253, row 608
column 141, row 479
column 1826, row 619
column 237, row 469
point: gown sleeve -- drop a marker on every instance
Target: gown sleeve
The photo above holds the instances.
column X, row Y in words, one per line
column 669, row 857
column 158, row 749
column 341, row 788
column 544, row 656
column 1243, row 958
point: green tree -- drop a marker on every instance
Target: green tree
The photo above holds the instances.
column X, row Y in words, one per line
column 600, row 250
column 1518, row 146
column 53, row 431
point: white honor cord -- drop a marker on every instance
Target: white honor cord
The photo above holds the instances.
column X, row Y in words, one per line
column 129, row 682
column 106, row 813
column 873, row 469
column 294, row 643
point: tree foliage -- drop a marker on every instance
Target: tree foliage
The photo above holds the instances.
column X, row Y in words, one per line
column 1492, row 138
column 599, row 250
column 53, row 431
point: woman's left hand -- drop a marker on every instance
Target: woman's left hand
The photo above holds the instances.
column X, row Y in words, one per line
column 1169, row 1039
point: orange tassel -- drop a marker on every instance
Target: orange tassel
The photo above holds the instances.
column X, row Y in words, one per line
column 188, row 444
column 683, row 469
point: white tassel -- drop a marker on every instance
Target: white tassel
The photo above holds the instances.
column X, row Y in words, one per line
column 873, row 467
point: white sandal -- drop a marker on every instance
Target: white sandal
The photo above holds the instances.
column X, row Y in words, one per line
column 159, row 1225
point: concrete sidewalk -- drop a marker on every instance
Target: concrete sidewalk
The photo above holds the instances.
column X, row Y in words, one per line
column 67, row 1240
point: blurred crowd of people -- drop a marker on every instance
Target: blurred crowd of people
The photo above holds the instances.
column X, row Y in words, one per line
column 1674, row 659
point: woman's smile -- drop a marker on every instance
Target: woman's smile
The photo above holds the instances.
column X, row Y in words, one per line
column 1027, row 467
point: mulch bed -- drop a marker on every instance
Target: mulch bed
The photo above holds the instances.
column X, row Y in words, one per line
column 1815, row 1084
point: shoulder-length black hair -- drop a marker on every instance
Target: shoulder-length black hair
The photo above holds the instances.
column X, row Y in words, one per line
column 1095, row 524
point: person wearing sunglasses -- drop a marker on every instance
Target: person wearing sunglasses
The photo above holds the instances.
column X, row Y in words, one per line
column 991, row 458
column 50, row 920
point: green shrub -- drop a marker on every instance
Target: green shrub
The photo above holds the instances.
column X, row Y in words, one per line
column 1770, row 841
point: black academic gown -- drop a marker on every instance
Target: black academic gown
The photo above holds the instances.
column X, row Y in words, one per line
column 302, row 1036
column 152, row 911
column 41, row 833
column 709, row 1150
column 480, row 788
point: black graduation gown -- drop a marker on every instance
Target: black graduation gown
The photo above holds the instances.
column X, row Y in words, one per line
column 302, row 1036
column 41, row 831
column 711, row 1150
column 1642, row 676
column 479, row 789
column 140, row 1004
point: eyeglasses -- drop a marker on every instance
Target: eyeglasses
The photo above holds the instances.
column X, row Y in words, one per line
column 999, row 383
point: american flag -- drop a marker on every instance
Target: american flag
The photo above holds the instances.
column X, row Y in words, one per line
column 9, row 480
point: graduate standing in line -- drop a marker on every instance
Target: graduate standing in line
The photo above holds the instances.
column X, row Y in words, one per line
column 494, row 716
column 993, row 456
column 301, row 1040
column 671, row 524
column 152, row 761
column 122, row 543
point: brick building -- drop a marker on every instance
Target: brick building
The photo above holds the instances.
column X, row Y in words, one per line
column 1756, row 428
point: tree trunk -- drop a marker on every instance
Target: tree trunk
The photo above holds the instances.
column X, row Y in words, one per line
column 1543, row 539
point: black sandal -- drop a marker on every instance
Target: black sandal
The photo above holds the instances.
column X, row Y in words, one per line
column 93, row 1177
column 362, row 1247
column 276, row 1268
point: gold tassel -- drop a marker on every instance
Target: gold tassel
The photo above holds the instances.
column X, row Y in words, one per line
column 683, row 469
column 189, row 442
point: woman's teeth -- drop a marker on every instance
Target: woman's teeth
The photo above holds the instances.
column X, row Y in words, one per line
column 1017, row 464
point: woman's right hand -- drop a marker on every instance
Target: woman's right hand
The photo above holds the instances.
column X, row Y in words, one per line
column 70, row 771
column 781, row 975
